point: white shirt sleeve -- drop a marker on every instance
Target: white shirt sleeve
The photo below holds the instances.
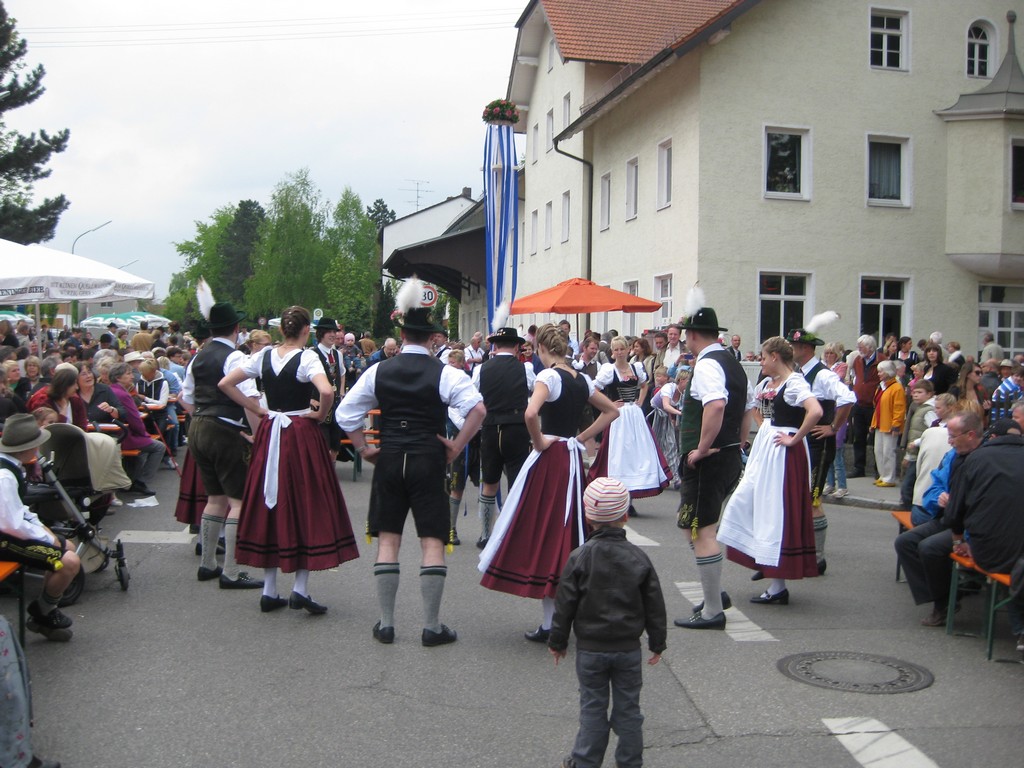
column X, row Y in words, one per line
column 531, row 375
column 709, row 382
column 359, row 400
column 309, row 366
column 16, row 519
column 797, row 390
column 641, row 373
column 605, row 375
column 549, row 378
column 235, row 360
column 457, row 391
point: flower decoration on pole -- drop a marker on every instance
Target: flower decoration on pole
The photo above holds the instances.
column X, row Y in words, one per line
column 501, row 207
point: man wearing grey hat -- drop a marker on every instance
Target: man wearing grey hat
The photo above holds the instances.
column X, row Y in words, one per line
column 23, row 538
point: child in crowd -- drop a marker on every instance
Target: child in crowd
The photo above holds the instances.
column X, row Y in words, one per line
column 663, row 415
column 920, row 416
column 608, row 594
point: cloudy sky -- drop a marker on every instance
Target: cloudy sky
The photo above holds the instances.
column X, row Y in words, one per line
column 177, row 109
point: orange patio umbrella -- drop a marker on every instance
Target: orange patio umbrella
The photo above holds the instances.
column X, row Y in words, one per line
column 580, row 296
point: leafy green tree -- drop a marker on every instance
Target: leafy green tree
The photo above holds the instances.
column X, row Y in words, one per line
column 237, row 248
column 353, row 279
column 203, row 259
column 383, row 325
column 291, row 261
column 380, row 213
column 23, row 158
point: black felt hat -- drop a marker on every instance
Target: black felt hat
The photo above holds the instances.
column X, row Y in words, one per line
column 704, row 319
column 420, row 320
column 223, row 315
column 507, row 336
column 326, row 324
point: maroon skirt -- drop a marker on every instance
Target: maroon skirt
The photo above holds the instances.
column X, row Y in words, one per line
column 308, row 528
column 797, row 558
column 535, row 547
column 191, row 493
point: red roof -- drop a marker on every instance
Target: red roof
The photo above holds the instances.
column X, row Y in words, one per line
column 626, row 31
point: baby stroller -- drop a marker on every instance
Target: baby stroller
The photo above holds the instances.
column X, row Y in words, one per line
column 75, row 495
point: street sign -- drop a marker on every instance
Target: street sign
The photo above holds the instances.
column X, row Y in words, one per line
column 429, row 296
column 317, row 313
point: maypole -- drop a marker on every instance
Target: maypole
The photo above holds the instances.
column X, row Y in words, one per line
column 501, row 206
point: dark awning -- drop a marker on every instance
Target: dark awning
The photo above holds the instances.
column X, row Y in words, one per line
column 454, row 261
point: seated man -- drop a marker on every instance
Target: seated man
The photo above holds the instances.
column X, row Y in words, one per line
column 25, row 540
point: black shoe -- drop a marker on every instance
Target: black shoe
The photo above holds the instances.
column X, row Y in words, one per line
column 726, row 603
column 696, row 621
column 268, row 604
column 780, row 598
column 208, row 574
column 53, row 626
column 822, row 565
column 538, row 635
column 482, row 542
column 757, row 576
column 244, row 581
column 140, row 488
column 385, row 635
column 855, row 473
column 445, row 636
column 38, row 762
column 297, row 602
column 454, row 539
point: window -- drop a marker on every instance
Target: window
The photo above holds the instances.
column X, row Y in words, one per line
column 606, row 201
column 552, row 52
column 566, row 111
column 629, row 318
column 787, row 164
column 632, row 176
column 565, row 217
column 888, row 40
column 533, row 232
column 535, row 141
column 665, row 174
column 547, row 224
column 881, row 306
column 663, row 293
column 549, row 135
column 781, row 301
column 1017, row 174
column 887, row 171
column 978, row 48
column 1001, row 310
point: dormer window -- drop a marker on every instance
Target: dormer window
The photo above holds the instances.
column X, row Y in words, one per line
column 978, row 50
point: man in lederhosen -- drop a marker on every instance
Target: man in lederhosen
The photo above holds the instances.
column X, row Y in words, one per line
column 326, row 350
column 505, row 383
column 413, row 391
column 219, row 442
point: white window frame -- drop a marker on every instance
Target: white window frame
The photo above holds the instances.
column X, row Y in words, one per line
column 906, row 167
column 665, row 174
column 632, row 287
column 549, row 135
column 566, row 110
column 1016, row 147
column 881, row 302
column 548, row 213
column 552, row 52
column 806, row 164
column 781, row 299
column 991, row 46
column 535, row 140
column 606, row 201
column 632, row 188
column 903, row 34
column 665, row 297
column 566, row 201
column 534, row 221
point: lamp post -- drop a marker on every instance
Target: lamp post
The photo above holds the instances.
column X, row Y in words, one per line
column 74, row 304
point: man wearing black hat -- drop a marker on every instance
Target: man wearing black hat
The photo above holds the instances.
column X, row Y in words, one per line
column 326, row 339
column 505, row 383
column 714, row 423
column 23, row 538
column 413, row 391
column 217, row 441
column 439, row 343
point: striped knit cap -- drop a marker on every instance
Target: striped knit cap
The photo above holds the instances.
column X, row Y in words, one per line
column 605, row 500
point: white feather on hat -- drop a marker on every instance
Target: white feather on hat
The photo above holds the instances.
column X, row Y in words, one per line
column 695, row 301
column 820, row 321
column 204, row 295
column 500, row 317
column 409, row 295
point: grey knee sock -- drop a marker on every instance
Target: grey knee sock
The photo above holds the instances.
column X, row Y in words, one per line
column 820, row 529
column 710, row 570
column 486, row 508
column 386, row 577
column 209, row 535
column 453, row 511
column 231, row 569
column 432, row 589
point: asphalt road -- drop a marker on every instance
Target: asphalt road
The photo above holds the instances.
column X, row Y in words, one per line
column 176, row 673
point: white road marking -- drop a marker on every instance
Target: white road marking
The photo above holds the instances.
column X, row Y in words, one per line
column 737, row 625
column 641, row 541
column 156, row 537
column 874, row 744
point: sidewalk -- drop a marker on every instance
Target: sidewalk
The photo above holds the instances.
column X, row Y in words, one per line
column 864, row 493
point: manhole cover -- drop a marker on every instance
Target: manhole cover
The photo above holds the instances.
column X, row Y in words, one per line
column 856, row 672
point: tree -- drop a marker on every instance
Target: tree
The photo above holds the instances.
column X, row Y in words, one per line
column 202, row 259
column 23, row 158
column 380, row 213
column 237, row 248
column 383, row 325
column 354, row 276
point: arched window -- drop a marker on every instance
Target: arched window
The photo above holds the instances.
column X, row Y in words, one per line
column 978, row 50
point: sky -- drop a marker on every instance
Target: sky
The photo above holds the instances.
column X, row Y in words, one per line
column 178, row 109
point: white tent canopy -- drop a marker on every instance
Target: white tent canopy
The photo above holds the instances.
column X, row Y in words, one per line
column 32, row 274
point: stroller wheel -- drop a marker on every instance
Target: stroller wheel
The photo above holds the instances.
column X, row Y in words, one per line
column 122, row 576
column 74, row 590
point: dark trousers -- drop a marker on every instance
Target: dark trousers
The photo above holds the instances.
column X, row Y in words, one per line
column 860, row 426
column 823, row 453
column 924, row 555
column 619, row 674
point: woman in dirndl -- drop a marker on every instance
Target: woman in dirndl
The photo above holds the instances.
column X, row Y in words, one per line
column 629, row 452
column 767, row 524
column 293, row 516
column 542, row 519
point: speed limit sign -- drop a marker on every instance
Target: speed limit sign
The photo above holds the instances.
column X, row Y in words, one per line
column 429, row 296
column 318, row 313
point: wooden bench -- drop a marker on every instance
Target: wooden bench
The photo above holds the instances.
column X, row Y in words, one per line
column 13, row 575
column 372, row 437
column 902, row 516
column 996, row 597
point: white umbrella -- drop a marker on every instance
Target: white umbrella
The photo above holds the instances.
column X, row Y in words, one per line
column 16, row 317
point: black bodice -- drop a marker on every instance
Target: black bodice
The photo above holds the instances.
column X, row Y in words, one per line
column 561, row 417
column 781, row 413
column 283, row 390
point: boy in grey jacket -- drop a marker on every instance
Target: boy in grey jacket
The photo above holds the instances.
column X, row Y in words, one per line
column 609, row 594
